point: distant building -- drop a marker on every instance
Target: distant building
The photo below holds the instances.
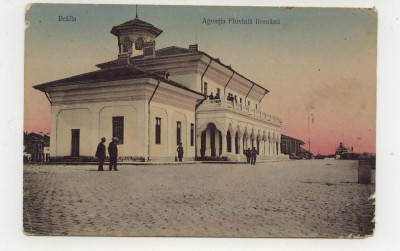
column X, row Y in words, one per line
column 155, row 99
column 343, row 152
column 290, row 146
column 306, row 154
column 36, row 147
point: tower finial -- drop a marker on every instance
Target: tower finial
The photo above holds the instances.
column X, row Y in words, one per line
column 196, row 33
column 136, row 12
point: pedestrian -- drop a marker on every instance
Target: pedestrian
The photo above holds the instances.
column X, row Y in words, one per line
column 253, row 156
column 101, row 153
column 211, row 97
column 113, row 152
column 230, row 97
column 180, row 152
column 248, row 155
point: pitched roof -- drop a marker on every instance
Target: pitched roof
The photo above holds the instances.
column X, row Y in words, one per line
column 291, row 138
column 168, row 51
column 110, row 74
column 175, row 50
column 135, row 24
column 34, row 137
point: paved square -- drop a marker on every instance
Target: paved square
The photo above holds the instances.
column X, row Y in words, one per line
column 303, row 198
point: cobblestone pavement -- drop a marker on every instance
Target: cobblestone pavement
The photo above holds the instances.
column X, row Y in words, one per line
column 303, row 198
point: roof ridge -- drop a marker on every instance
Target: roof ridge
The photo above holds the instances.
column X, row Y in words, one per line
column 173, row 46
column 86, row 74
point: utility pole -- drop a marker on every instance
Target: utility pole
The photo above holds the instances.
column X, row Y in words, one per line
column 309, row 138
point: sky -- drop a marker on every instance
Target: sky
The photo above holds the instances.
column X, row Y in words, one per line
column 316, row 61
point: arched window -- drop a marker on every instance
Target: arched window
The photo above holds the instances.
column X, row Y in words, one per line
column 139, row 44
column 126, row 45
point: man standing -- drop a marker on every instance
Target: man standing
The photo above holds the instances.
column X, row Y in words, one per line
column 113, row 152
column 101, row 153
column 180, row 152
column 253, row 156
column 248, row 155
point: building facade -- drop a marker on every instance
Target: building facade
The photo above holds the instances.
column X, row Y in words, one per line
column 153, row 100
column 291, row 146
column 36, row 147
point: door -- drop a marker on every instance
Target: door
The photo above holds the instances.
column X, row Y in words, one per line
column 75, row 142
column 237, row 142
column 212, row 140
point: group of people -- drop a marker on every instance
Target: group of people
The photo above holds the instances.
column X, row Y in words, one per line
column 211, row 96
column 251, row 155
column 112, row 151
column 231, row 98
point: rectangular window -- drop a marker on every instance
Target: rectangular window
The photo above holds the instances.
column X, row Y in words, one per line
column 191, row 134
column 178, row 132
column 248, row 103
column 118, row 128
column 256, row 106
column 158, row 131
column 205, row 88
column 240, row 100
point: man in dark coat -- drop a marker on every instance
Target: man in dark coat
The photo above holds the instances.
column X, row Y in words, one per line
column 113, row 152
column 101, row 153
column 253, row 156
column 248, row 155
column 180, row 152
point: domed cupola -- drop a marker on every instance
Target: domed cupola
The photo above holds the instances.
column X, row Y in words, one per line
column 136, row 37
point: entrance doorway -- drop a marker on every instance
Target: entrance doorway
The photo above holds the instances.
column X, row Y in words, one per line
column 211, row 142
column 237, row 142
column 75, row 142
column 212, row 129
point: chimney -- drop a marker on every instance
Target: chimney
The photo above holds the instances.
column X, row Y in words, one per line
column 194, row 47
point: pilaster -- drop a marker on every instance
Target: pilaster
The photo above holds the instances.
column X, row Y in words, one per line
column 224, row 145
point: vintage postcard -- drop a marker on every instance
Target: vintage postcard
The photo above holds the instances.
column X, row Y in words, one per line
column 201, row 121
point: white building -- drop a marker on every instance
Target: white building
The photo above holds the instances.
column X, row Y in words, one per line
column 154, row 99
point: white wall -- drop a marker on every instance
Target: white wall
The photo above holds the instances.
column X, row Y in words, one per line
column 95, row 121
column 132, row 128
column 169, row 116
column 191, row 80
column 69, row 119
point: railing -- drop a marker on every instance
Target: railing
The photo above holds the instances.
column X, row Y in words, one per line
column 241, row 107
